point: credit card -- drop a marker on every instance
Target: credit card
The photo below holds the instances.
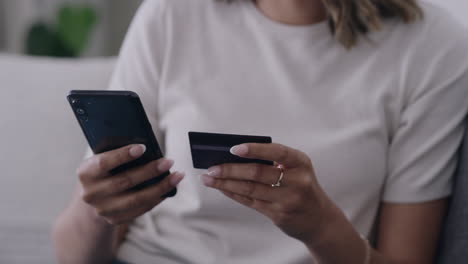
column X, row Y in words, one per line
column 210, row 149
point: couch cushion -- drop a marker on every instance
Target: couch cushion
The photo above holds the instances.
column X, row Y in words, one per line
column 454, row 241
column 41, row 146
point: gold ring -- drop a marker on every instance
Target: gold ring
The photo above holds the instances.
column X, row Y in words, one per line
column 280, row 179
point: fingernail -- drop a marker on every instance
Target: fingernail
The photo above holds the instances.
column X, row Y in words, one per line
column 240, row 150
column 165, row 165
column 176, row 178
column 214, row 171
column 207, row 180
column 137, row 151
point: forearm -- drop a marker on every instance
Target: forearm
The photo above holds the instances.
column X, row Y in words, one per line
column 341, row 243
column 80, row 236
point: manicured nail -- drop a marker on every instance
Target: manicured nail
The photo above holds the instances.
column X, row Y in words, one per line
column 176, row 178
column 240, row 150
column 207, row 180
column 214, row 171
column 137, row 151
column 165, row 165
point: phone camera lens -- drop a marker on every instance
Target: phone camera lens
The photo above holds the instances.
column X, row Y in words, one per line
column 80, row 111
column 75, row 101
column 84, row 118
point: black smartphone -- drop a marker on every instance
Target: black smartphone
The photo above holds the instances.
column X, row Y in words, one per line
column 114, row 119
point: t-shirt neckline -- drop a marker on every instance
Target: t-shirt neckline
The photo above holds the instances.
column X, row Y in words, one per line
column 314, row 29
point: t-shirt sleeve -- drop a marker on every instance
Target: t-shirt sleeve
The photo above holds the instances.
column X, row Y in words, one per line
column 422, row 155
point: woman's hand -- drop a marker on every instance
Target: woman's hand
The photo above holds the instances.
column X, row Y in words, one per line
column 109, row 195
column 299, row 206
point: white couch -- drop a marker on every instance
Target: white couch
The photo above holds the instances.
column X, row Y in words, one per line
column 40, row 147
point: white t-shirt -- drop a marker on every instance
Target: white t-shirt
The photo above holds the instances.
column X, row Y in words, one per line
column 381, row 122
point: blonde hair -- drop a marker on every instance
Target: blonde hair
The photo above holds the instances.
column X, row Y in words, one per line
column 350, row 20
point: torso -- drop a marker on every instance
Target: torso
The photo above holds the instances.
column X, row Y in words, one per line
column 230, row 70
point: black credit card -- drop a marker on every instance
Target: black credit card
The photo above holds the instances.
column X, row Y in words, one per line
column 209, row 149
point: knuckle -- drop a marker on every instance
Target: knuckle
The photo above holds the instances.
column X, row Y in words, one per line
column 111, row 221
column 249, row 188
column 82, row 177
column 292, row 204
column 82, row 173
column 122, row 183
column 304, row 181
column 167, row 186
column 100, row 162
column 218, row 184
column 298, row 198
column 145, row 172
column 121, row 221
column 250, row 202
column 121, row 156
column 225, row 170
column 304, row 158
column 161, row 188
column 143, row 211
column 283, row 152
column 256, row 172
column 153, row 166
column 153, row 170
column 87, row 197
column 148, row 207
column 280, row 219
column 307, row 160
column 102, row 212
column 114, row 220
column 134, row 201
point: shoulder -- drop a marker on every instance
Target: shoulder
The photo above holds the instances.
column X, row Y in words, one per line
column 436, row 44
column 441, row 24
column 441, row 35
column 438, row 27
column 426, row 55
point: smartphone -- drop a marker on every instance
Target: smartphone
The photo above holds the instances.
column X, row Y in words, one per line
column 114, row 119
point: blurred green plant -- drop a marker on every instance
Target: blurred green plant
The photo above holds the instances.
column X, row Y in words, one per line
column 68, row 37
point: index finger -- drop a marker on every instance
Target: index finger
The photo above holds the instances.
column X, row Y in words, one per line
column 282, row 154
column 99, row 165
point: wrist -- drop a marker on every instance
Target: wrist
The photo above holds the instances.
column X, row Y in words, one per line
column 84, row 213
column 330, row 223
column 337, row 241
